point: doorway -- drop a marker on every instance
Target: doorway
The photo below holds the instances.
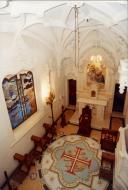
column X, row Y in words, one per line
column 72, row 91
column 119, row 100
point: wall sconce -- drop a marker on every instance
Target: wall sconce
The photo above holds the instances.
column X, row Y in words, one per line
column 123, row 75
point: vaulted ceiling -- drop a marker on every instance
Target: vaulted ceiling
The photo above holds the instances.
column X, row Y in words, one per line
column 103, row 27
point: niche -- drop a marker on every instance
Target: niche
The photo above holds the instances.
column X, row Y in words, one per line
column 93, row 93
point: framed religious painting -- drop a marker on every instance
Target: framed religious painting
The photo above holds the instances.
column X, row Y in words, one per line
column 20, row 97
column 96, row 74
column 28, row 93
column 13, row 101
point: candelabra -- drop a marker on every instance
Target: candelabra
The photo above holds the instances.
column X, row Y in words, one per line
column 49, row 101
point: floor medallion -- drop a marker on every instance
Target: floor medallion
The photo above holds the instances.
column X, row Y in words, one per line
column 72, row 162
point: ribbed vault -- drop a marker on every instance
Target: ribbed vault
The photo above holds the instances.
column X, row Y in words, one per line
column 102, row 28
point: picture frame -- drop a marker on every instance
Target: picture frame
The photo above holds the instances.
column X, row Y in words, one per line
column 20, row 101
column 96, row 75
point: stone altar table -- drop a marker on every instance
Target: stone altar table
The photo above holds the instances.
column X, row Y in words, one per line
column 98, row 104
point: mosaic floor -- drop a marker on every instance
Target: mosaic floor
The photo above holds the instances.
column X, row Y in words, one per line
column 72, row 162
column 36, row 180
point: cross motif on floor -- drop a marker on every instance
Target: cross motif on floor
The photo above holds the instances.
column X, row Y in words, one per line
column 75, row 159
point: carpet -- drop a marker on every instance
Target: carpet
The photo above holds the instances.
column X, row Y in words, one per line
column 72, row 162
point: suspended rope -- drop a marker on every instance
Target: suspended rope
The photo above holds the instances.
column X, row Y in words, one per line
column 77, row 38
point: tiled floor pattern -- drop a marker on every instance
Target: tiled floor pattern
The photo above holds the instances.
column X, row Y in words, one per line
column 34, row 180
column 97, row 184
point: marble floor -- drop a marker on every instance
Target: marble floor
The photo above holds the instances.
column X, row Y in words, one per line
column 33, row 180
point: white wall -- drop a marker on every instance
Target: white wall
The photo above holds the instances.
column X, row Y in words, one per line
column 36, row 48
column 16, row 54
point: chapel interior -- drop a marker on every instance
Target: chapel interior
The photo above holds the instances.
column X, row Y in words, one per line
column 63, row 78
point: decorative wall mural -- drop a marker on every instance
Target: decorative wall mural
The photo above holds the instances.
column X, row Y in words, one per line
column 20, row 97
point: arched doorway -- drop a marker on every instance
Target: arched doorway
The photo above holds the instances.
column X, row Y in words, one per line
column 72, row 91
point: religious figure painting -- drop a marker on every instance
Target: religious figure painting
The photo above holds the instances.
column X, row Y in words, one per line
column 96, row 74
column 20, row 97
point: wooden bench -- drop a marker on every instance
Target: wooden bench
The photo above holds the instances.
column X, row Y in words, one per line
column 50, row 132
column 107, row 164
column 40, row 143
column 25, row 161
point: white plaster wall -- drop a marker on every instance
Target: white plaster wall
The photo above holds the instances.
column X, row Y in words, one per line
column 8, row 65
column 20, row 53
column 35, row 49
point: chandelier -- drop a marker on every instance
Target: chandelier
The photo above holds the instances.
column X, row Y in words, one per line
column 96, row 60
column 123, row 75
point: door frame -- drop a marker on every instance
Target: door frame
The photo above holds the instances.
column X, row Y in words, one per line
column 69, row 90
column 68, row 77
column 125, row 99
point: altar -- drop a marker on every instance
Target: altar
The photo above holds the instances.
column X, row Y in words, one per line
column 96, row 104
column 73, row 162
column 98, row 107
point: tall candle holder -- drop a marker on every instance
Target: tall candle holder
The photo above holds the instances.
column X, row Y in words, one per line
column 49, row 101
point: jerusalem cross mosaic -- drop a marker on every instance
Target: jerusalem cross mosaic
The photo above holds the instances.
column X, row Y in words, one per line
column 72, row 162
